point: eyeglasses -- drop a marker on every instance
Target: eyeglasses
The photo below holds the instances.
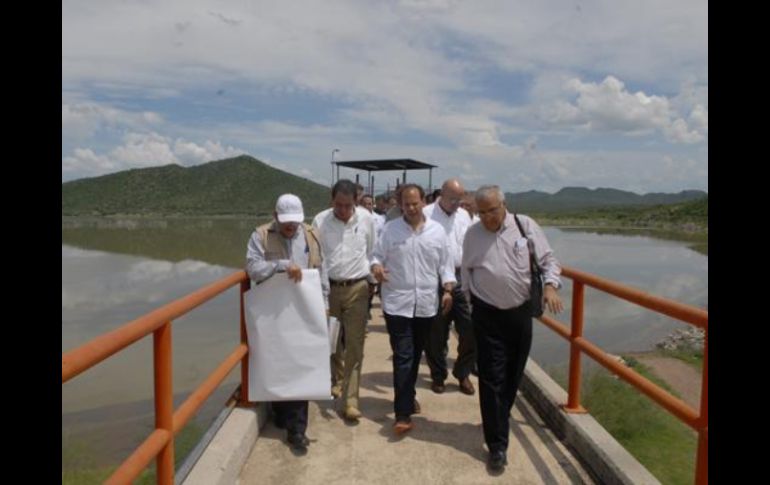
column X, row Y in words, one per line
column 489, row 211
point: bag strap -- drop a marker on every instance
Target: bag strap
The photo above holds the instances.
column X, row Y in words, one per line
column 533, row 266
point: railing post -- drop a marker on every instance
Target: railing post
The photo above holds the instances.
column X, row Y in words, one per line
column 164, row 401
column 573, row 398
column 244, row 398
column 701, row 465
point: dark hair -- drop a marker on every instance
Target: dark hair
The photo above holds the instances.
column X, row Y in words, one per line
column 436, row 193
column 344, row 187
column 405, row 187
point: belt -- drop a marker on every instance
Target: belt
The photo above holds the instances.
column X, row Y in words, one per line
column 346, row 282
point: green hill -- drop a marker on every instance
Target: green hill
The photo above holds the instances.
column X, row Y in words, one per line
column 242, row 185
column 578, row 199
column 690, row 217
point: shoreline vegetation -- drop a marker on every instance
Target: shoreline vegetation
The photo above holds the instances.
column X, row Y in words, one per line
column 695, row 235
column 662, row 443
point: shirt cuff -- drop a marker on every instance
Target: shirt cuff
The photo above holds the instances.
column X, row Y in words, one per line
column 555, row 283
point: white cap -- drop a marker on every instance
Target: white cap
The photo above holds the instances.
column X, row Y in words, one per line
column 288, row 208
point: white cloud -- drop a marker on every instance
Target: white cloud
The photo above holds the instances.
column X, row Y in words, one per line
column 192, row 154
column 81, row 120
column 143, row 150
column 85, row 162
column 699, row 118
column 413, row 68
column 609, row 107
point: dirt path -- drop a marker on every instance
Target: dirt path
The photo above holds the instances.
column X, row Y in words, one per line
column 682, row 377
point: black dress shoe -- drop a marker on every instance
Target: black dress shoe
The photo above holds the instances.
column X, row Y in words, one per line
column 497, row 461
column 466, row 386
column 298, row 442
column 437, row 387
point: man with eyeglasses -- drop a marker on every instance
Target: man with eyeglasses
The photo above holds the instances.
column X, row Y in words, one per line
column 496, row 278
column 455, row 221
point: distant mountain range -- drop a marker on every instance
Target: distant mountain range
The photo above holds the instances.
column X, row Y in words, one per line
column 575, row 199
column 246, row 186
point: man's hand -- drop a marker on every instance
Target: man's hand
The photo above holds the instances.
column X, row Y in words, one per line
column 446, row 302
column 379, row 273
column 552, row 300
column 294, row 272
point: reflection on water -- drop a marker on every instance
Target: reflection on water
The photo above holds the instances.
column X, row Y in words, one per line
column 178, row 246
column 116, row 270
column 215, row 241
column 101, row 291
column 662, row 267
column 108, row 410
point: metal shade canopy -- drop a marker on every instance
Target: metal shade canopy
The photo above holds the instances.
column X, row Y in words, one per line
column 387, row 164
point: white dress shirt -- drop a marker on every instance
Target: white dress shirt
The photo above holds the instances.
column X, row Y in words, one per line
column 454, row 225
column 346, row 246
column 496, row 264
column 379, row 223
column 417, row 262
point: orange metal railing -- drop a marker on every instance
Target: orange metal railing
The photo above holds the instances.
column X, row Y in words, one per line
column 698, row 420
column 160, row 443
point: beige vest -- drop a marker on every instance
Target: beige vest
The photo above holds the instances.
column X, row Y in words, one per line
column 273, row 242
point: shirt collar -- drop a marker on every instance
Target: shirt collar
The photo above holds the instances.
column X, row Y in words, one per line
column 448, row 215
column 353, row 219
column 507, row 221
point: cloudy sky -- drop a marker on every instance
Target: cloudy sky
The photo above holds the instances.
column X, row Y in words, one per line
column 531, row 95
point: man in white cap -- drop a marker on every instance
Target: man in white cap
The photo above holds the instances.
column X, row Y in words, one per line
column 287, row 245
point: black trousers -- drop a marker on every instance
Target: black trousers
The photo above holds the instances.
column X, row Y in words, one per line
column 291, row 415
column 504, row 339
column 407, row 340
column 436, row 350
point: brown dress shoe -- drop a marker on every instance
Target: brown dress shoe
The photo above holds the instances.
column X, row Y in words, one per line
column 351, row 413
column 403, row 426
column 437, row 387
column 466, row 386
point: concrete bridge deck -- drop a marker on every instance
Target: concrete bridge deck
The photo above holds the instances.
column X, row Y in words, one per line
column 446, row 446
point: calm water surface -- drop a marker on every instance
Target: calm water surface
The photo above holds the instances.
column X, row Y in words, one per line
column 115, row 271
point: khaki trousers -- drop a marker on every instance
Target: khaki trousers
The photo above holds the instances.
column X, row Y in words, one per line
column 349, row 304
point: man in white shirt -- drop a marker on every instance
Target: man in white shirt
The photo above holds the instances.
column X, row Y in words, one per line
column 346, row 233
column 411, row 260
column 455, row 221
column 367, row 202
column 496, row 277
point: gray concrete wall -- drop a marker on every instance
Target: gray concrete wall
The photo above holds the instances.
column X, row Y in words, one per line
column 604, row 456
column 221, row 462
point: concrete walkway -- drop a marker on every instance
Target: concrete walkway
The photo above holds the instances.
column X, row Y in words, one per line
column 445, row 447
